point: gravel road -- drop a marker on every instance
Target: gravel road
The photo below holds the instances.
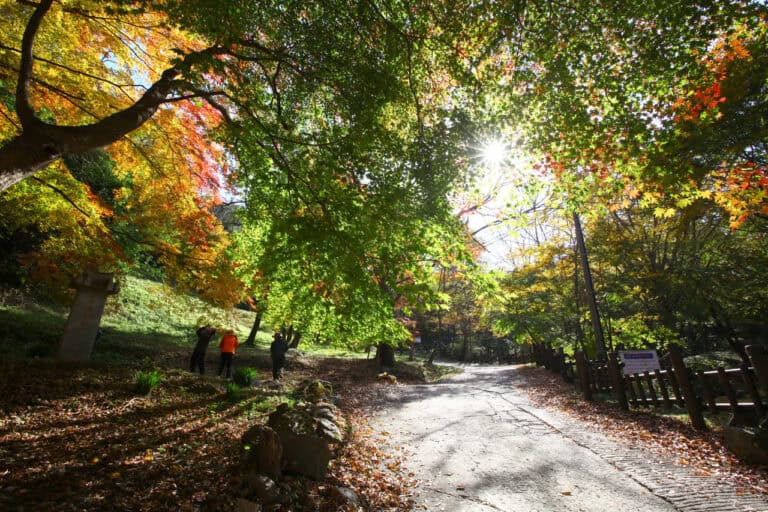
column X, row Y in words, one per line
column 476, row 443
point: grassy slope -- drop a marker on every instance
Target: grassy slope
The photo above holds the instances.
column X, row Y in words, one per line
column 143, row 319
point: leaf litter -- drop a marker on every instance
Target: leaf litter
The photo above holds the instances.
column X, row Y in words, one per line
column 78, row 438
column 704, row 452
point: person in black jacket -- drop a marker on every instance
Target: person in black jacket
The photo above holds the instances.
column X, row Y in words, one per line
column 204, row 335
column 277, row 351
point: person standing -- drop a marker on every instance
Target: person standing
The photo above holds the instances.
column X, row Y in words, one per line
column 228, row 344
column 204, row 335
column 277, row 351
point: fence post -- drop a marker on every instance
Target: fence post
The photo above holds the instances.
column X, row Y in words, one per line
column 749, row 383
column 760, row 364
column 640, row 390
column 673, row 381
column 629, row 387
column 651, row 390
column 709, row 395
column 583, row 371
column 691, row 402
column 663, row 388
column 618, row 381
column 730, row 393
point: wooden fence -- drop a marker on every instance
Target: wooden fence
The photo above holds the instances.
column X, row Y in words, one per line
column 742, row 391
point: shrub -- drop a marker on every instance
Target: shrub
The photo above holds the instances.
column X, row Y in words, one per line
column 147, row 381
column 244, row 376
column 233, row 392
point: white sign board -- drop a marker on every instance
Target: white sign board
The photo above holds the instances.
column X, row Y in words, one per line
column 639, row 361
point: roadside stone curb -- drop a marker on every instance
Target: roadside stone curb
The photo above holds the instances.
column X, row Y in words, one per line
column 678, row 485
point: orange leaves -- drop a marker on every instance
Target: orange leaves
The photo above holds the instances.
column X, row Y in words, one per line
column 742, row 190
column 706, row 97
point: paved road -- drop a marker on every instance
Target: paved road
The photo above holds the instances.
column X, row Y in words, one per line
column 476, row 443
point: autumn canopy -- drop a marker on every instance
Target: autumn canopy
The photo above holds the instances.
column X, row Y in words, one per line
column 309, row 155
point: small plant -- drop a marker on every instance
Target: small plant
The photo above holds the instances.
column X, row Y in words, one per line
column 147, row 381
column 244, row 377
column 233, row 392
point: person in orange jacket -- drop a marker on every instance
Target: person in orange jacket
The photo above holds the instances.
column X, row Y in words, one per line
column 227, row 345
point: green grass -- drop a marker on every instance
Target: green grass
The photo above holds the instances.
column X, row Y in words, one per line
column 244, row 376
column 147, row 307
column 233, row 393
column 145, row 318
column 146, row 381
column 267, row 405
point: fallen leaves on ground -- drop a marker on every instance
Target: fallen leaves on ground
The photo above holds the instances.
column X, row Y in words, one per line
column 78, row 438
column 702, row 451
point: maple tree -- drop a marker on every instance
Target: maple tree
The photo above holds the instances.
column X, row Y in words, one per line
column 108, row 209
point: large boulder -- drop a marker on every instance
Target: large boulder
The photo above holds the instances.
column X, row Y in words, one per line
column 263, row 452
column 306, row 433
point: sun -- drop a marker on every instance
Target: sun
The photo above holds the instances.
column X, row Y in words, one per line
column 494, row 152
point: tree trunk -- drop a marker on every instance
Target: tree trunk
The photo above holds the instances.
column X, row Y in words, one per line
column 589, row 285
column 385, row 355
column 251, row 341
column 465, row 352
column 577, row 298
column 287, row 333
column 296, row 339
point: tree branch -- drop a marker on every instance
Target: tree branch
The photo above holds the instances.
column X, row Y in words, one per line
column 62, row 194
column 23, row 108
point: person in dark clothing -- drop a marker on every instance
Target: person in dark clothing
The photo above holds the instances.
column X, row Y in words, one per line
column 277, row 351
column 204, row 335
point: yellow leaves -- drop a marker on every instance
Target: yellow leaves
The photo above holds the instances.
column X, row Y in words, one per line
column 664, row 213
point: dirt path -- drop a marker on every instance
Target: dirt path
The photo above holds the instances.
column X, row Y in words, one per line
column 476, row 443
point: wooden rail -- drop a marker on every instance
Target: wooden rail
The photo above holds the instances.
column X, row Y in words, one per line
column 741, row 391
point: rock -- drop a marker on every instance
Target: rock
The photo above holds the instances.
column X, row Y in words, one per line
column 316, row 390
column 263, row 451
column 328, row 430
column 346, row 495
column 304, row 451
column 244, row 505
column 263, row 488
column 325, row 410
column 748, row 445
column 387, row 378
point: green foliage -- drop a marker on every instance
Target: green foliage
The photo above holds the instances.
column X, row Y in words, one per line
column 146, row 381
column 244, row 377
column 233, row 392
column 150, row 307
